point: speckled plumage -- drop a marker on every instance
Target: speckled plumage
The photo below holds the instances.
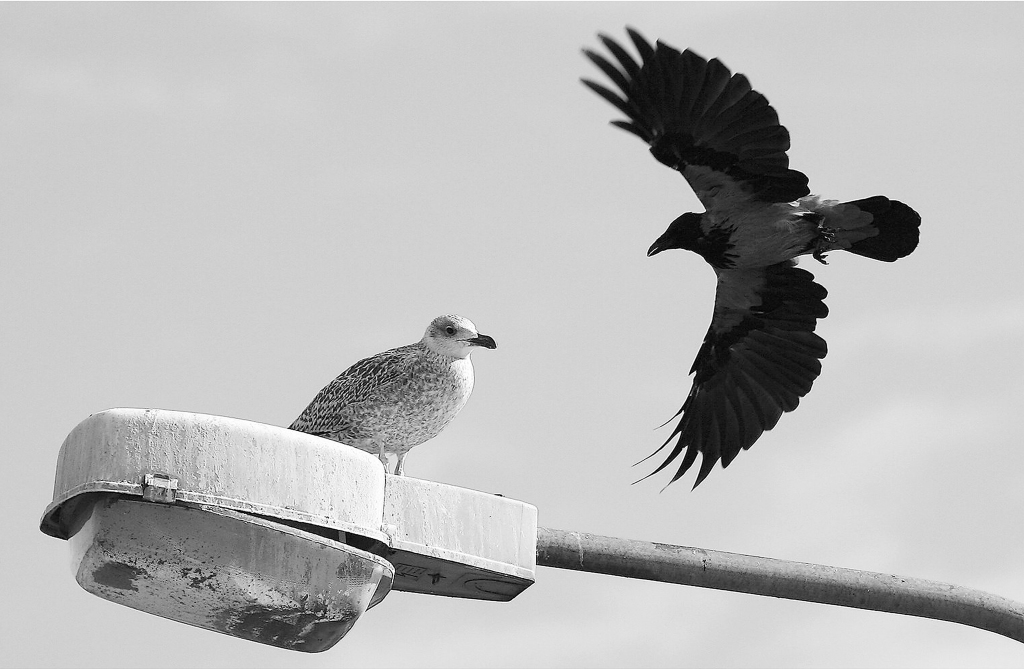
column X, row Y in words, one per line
column 392, row 401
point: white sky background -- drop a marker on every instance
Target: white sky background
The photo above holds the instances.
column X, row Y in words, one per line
column 217, row 208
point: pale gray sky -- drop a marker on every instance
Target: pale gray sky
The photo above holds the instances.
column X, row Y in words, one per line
column 218, row 207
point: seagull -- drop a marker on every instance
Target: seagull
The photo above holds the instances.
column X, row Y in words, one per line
column 392, row 401
column 760, row 355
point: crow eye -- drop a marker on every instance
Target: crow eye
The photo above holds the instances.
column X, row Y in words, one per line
column 449, row 330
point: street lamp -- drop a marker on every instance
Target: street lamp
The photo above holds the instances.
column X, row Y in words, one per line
column 284, row 538
column 269, row 534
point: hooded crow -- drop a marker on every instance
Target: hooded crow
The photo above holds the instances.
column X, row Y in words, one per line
column 760, row 355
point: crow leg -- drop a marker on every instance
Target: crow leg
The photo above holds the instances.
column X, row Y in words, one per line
column 824, row 241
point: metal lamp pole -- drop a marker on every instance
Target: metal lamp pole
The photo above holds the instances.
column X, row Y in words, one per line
column 780, row 578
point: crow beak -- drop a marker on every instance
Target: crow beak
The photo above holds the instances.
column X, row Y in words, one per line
column 482, row 340
column 656, row 248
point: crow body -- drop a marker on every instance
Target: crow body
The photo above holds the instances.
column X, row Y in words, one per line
column 760, row 354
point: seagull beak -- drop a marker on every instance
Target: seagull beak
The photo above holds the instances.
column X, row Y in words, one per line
column 482, row 340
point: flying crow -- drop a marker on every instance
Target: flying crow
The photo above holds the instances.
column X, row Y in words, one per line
column 760, row 355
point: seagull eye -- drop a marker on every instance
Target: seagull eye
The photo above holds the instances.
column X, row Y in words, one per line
column 449, row 330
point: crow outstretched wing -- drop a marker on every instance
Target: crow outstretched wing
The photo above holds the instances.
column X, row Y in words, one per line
column 759, row 357
column 702, row 120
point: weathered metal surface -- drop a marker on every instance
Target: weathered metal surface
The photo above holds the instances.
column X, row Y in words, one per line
column 442, row 539
column 456, row 542
column 780, row 578
column 225, row 571
column 229, row 463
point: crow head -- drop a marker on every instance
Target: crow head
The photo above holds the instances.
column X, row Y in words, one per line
column 682, row 233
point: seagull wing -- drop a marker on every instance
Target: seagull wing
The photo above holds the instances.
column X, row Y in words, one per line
column 327, row 413
column 759, row 357
column 702, row 120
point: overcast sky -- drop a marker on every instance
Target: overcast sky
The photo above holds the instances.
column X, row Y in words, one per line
column 219, row 207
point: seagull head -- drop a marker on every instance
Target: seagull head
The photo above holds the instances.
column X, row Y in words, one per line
column 682, row 233
column 454, row 336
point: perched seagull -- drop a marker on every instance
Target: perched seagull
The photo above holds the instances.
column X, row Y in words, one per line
column 400, row 398
column 760, row 355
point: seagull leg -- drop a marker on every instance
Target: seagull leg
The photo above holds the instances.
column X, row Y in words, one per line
column 383, row 457
column 400, row 466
